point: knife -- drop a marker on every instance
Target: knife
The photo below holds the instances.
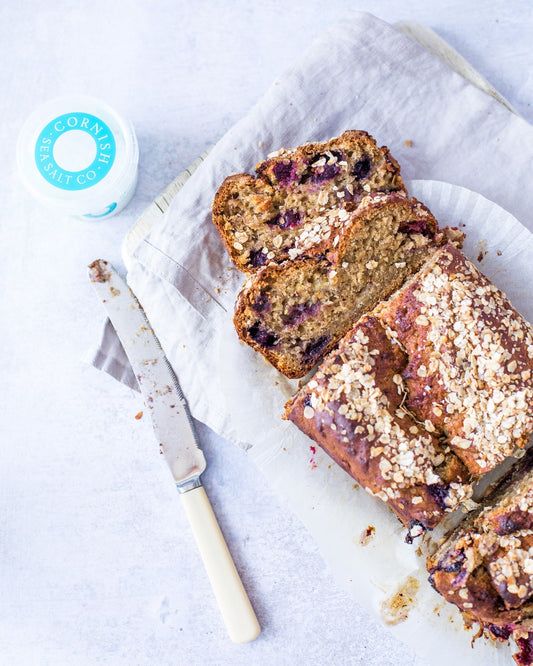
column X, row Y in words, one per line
column 175, row 433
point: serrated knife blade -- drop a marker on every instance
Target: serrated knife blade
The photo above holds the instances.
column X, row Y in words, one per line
column 175, row 433
column 160, row 388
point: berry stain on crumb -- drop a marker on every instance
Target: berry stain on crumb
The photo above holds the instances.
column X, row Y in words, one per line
column 139, row 416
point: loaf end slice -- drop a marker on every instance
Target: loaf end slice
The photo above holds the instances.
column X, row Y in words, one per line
column 272, row 217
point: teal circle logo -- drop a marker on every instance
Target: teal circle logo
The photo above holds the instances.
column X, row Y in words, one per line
column 75, row 151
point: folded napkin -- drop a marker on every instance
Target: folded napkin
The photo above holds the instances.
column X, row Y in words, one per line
column 362, row 74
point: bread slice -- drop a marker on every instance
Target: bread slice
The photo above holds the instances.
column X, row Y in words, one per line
column 273, row 217
column 294, row 313
column 485, row 566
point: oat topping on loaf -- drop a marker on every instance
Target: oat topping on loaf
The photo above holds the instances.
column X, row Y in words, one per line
column 295, row 312
column 405, row 456
column 276, row 215
column 354, row 407
column 471, row 359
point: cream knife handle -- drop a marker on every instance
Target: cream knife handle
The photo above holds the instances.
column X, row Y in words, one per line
column 236, row 609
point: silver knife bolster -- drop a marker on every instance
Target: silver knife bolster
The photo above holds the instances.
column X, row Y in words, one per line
column 191, row 484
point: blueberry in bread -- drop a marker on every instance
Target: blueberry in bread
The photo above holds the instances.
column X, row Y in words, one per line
column 485, row 566
column 427, row 393
column 271, row 217
column 293, row 313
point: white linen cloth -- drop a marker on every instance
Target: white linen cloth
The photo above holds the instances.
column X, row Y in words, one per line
column 362, row 74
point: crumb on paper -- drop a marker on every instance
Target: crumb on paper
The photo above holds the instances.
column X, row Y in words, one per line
column 367, row 535
column 477, row 635
column 139, row 416
column 482, row 250
column 409, row 143
column 395, row 609
column 260, row 144
column 499, row 253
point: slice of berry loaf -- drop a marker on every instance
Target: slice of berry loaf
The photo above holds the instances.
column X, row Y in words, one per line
column 293, row 313
column 428, row 392
column 485, row 566
column 273, row 217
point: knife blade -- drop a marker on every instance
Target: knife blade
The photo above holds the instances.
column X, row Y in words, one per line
column 174, row 430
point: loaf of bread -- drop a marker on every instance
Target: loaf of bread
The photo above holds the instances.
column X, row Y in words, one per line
column 485, row 566
column 427, row 393
column 295, row 312
column 276, row 215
